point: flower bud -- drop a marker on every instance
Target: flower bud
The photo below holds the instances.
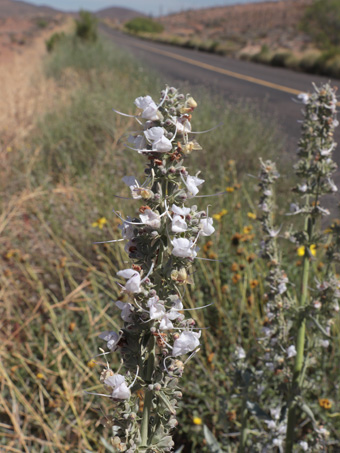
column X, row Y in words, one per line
column 151, row 387
column 157, row 387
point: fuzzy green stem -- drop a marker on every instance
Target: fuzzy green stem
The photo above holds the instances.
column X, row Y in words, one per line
column 148, row 394
column 244, row 431
column 300, row 343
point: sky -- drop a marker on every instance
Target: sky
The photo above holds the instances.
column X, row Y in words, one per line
column 150, row 7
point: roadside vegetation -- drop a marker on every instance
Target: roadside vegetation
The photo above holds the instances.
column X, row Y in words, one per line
column 58, row 190
column 321, row 23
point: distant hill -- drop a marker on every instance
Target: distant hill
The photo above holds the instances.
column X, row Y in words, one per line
column 16, row 9
column 248, row 20
column 120, row 15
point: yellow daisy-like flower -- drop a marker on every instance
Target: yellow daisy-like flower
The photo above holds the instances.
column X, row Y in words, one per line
column 99, row 223
column 251, row 215
column 325, row 403
column 197, row 421
column 220, row 214
column 40, row 376
column 247, row 229
column 230, row 189
column 91, row 363
column 301, row 250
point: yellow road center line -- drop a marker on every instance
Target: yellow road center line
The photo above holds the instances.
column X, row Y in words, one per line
column 210, row 67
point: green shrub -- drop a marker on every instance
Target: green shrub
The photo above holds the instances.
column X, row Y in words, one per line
column 322, row 22
column 143, row 25
column 86, row 27
column 280, row 59
column 41, row 22
column 308, row 61
column 53, row 40
column 264, row 56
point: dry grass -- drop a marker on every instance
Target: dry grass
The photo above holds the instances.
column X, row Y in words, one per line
column 25, row 92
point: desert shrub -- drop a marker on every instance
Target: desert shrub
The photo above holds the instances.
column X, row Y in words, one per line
column 41, row 22
column 143, row 25
column 53, row 40
column 308, row 61
column 280, row 59
column 332, row 66
column 322, row 22
column 86, row 26
column 264, row 56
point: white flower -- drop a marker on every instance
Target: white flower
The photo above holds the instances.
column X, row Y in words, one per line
column 324, row 343
column 149, row 107
column 303, row 97
column 151, row 218
column 169, row 316
column 291, row 351
column 302, row 187
column 118, row 384
column 159, row 142
column 157, row 309
column 240, row 353
column 183, row 126
column 187, row 342
column 112, row 339
column 304, row 445
column 192, row 183
column 127, row 229
column 332, row 186
column 327, row 152
column 166, row 323
column 180, row 211
column 132, row 182
column 138, row 141
column 126, row 313
column 277, row 442
column 178, row 225
column 184, row 248
column 133, row 280
column 271, row 424
column 206, row 226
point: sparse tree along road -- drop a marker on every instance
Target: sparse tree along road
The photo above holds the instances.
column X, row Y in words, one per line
column 271, row 89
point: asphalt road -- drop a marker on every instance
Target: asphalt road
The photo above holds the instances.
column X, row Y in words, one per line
column 271, row 89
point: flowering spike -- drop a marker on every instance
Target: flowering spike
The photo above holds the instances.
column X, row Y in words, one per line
column 161, row 242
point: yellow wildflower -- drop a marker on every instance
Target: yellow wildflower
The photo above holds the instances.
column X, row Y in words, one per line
column 301, row 250
column 251, row 215
column 313, row 249
column 230, row 189
column 247, row 229
column 40, row 376
column 99, row 223
column 219, row 216
column 253, row 283
column 325, row 403
column 197, row 420
column 91, row 363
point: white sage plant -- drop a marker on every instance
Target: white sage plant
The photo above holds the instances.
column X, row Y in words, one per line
column 278, row 386
column 157, row 339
